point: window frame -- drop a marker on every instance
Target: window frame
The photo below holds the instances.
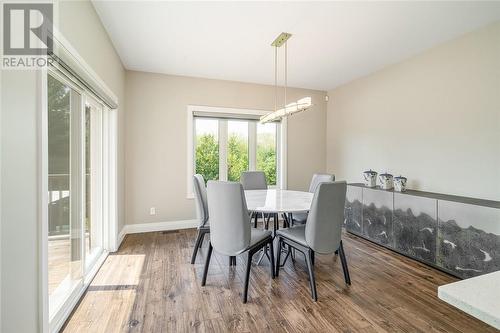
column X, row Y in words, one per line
column 281, row 142
column 97, row 182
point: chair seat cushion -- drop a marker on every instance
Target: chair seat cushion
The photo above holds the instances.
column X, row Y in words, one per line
column 258, row 235
column 296, row 234
column 300, row 217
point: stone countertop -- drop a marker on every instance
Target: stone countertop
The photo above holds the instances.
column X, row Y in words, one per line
column 478, row 296
column 438, row 196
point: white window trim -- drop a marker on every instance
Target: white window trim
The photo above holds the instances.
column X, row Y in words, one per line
column 281, row 131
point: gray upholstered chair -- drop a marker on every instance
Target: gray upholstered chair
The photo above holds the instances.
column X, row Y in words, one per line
column 323, row 231
column 317, row 178
column 230, row 231
column 254, row 180
column 200, row 199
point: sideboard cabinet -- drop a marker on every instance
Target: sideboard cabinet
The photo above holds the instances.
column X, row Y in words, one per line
column 458, row 235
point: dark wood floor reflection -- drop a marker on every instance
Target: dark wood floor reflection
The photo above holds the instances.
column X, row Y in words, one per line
column 150, row 286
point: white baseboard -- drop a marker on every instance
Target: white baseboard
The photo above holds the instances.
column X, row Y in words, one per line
column 121, row 236
column 157, row 226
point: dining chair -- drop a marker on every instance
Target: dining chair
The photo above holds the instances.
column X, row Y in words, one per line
column 255, row 180
column 317, row 178
column 323, row 231
column 230, row 231
column 200, row 200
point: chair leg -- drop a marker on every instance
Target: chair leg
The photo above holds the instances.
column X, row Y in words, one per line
column 255, row 216
column 207, row 263
column 199, row 239
column 288, row 252
column 247, row 276
column 312, row 257
column 278, row 257
column 312, row 281
column 263, row 254
column 285, row 220
column 202, row 239
column 232, row 261
column 343, row 260
column 271, row 254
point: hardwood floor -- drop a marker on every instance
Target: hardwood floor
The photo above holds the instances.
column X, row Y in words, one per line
column 150, row 286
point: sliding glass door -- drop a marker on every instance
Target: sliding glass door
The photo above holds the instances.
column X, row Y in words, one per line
column 64, row 229
column 76, row 239
column 93, row 182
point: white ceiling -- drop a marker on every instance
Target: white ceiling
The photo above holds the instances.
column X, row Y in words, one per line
column 332, row 42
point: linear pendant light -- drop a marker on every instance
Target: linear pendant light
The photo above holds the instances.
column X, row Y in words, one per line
column 291, row 108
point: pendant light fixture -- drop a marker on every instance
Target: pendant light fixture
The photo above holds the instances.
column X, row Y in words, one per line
column 291, row 108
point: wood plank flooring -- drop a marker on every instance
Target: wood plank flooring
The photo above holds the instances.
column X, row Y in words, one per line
column 150, row 286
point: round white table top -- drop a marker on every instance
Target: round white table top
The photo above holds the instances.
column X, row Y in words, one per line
column 278, row 201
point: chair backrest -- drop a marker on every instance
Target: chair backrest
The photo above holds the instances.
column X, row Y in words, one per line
column 324, row 221
column 200, row 199
column 253, row 180
column 318, row 178
column 229, row 219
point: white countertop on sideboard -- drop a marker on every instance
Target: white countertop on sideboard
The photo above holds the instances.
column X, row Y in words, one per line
column 478, row 296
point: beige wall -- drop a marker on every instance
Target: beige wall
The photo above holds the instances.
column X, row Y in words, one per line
column 434, row 118
column 156, row 141
column 81, row 26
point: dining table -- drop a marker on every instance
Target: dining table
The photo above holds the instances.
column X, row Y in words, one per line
column 276, row 201
column 273, row 202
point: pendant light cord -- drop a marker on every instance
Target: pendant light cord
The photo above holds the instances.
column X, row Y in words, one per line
column 286, row 70
column 275, row 78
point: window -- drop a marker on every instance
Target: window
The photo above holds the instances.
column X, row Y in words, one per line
column 226, row 143
column 266, row 151
column 237, row 149
column 207, row 148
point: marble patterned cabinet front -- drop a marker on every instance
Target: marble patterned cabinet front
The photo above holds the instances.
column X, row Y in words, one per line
column 377, row 216
column 353, row 215
column 456, row 234
column 468, row 238
column 415, row 226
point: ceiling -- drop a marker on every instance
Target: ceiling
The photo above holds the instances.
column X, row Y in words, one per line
column 332, row 43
